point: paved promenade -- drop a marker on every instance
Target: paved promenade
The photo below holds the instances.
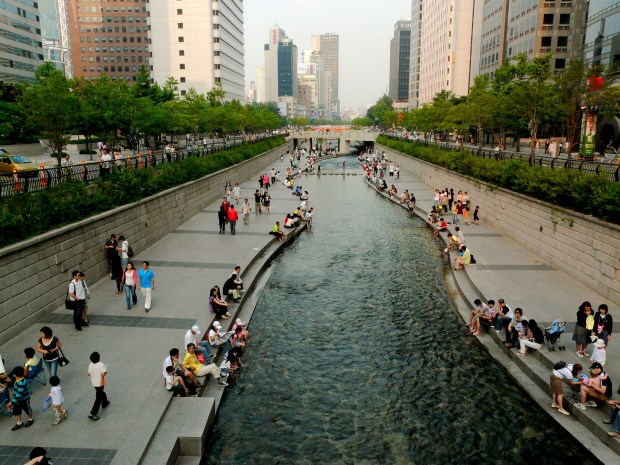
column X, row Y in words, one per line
column 187, row 264
column 507, row 270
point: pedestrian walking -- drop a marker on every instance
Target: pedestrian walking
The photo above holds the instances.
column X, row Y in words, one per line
column 245, row 210
column 222, row 218
column 124, row 250
column 21, row 399
column 237, row 193
column 233, row 216
column 130, row 282
column 257, row 202
column 49, row 346
column 85, row 320
column 57, row 399
column 146, row 284
column 78, row 295
column 97, row 371
column 111, row 248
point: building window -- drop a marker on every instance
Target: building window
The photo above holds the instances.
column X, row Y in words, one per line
column 179, row 11
column 548, row 19
column 564, row 18
column 181, row 39
column 560, row 63
column 182, row 66
column 545, row 41
column 181, row 53
column 179, row 25
column 182, row 79
column 183, row 92
column 563, row 41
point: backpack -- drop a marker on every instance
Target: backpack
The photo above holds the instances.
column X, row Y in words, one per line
column 559, row 365
column 472, row 260
column 590, row 323
column 130, row 252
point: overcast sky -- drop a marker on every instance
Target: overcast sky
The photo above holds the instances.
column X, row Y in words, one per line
column 365, row 28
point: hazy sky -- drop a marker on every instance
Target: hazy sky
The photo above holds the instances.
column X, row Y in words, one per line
column 365, row 28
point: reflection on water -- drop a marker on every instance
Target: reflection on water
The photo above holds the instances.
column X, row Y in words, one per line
column 357, row 357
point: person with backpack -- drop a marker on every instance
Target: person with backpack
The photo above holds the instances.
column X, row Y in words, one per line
column 563, row 372
column 125, row 250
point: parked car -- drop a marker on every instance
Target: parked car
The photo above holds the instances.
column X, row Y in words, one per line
column 10, row 164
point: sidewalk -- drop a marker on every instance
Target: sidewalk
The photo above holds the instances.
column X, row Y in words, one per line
column 507, row 270
column 187, row 264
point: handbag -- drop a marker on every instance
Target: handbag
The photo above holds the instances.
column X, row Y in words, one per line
column 62, row 360
column 70, row 304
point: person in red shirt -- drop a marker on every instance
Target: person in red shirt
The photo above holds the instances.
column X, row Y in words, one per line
column 225, row 205
column 232, row 218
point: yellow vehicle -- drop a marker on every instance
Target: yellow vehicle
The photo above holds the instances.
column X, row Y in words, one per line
column 17, row 164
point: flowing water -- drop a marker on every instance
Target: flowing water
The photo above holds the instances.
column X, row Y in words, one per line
column 357, row 356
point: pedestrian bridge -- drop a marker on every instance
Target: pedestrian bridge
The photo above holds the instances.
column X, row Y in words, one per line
column 345, row 137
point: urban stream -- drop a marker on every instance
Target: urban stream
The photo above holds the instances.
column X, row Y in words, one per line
column 358, row 357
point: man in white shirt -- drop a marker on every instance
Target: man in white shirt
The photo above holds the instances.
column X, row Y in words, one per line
column 202, row 347
column 97, row 370
column 124, row 250
column 77, row 293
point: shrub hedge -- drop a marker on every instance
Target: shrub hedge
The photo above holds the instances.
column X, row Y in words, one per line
column 582, row 192
column 28, row 214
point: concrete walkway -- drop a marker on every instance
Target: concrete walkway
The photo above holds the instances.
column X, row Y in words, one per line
column 187, row 264
column 507, row 270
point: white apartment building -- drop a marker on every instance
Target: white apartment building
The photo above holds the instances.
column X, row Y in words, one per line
column 446, row 34
column 200, row 44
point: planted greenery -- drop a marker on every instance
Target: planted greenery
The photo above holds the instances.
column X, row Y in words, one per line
column 582, row 192
column 28, row 214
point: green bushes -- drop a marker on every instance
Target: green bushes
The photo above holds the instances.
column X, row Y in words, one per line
column 582, row 192
column 26, row 215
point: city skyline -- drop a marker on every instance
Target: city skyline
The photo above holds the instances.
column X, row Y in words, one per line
column 364, row 39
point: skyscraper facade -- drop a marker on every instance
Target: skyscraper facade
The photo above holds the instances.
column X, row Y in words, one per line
column 328, row 47
column 108, row 38
column 199, row 46
column 270, row 82
column 546, row 28
column 22, row 48
column 446, row 35
column 400, row 50
column 287, row 69
column 55, row 34
column 602, row 39
column 414, row 57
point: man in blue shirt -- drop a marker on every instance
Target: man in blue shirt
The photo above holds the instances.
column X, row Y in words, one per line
column 146, row 284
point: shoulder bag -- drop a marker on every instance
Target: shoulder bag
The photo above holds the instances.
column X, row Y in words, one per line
column 62, row 360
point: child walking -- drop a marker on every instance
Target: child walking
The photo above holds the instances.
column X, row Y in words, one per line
column 476, row 217
column 57, row 400
column 599, row 354
column 466, row 215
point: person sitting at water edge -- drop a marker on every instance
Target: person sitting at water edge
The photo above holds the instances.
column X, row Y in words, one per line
column 463, row 258
column 534, row 338
column 276, row 232
column 231, row 288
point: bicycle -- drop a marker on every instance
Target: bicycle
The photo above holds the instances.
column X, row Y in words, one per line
column 611, row 154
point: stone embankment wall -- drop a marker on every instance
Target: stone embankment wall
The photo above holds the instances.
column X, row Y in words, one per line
column 34, row 274
column 583, row 246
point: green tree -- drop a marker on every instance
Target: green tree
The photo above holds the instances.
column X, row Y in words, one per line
column 363, row 121
column 300, row 122
column 570, row 88
column 52, row 107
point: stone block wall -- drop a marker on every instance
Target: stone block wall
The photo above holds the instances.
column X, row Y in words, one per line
column 34, row 274
column 582, row 246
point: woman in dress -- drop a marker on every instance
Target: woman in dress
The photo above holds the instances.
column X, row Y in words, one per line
column 49, row 346
column 580, row 335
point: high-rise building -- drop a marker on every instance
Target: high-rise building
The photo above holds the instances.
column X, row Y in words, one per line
column 276, row 34
column 108, row 38
column 400, row 50
column 260, row 84
column 200, row 45
column 414, row 57
column 22, row 48
column 251, row 95
column 493, row 41
column 55, row 34
column 287, row 68
column 446, row 36
column 328, row 47
column 602, row 39
column 542, row 28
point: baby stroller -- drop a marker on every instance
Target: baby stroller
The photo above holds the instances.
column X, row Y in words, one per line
column 553, row 334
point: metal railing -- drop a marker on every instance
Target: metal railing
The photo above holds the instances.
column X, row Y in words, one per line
column 87, row 172
column 608, row 170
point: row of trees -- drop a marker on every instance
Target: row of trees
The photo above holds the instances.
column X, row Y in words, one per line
column 54, row 107
column 523, row 98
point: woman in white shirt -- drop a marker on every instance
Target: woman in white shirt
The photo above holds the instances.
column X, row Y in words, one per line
column 130, row 280
column 567, row 372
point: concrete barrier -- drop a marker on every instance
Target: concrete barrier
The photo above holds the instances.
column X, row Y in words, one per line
column 34, row 274
column 581, row 245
